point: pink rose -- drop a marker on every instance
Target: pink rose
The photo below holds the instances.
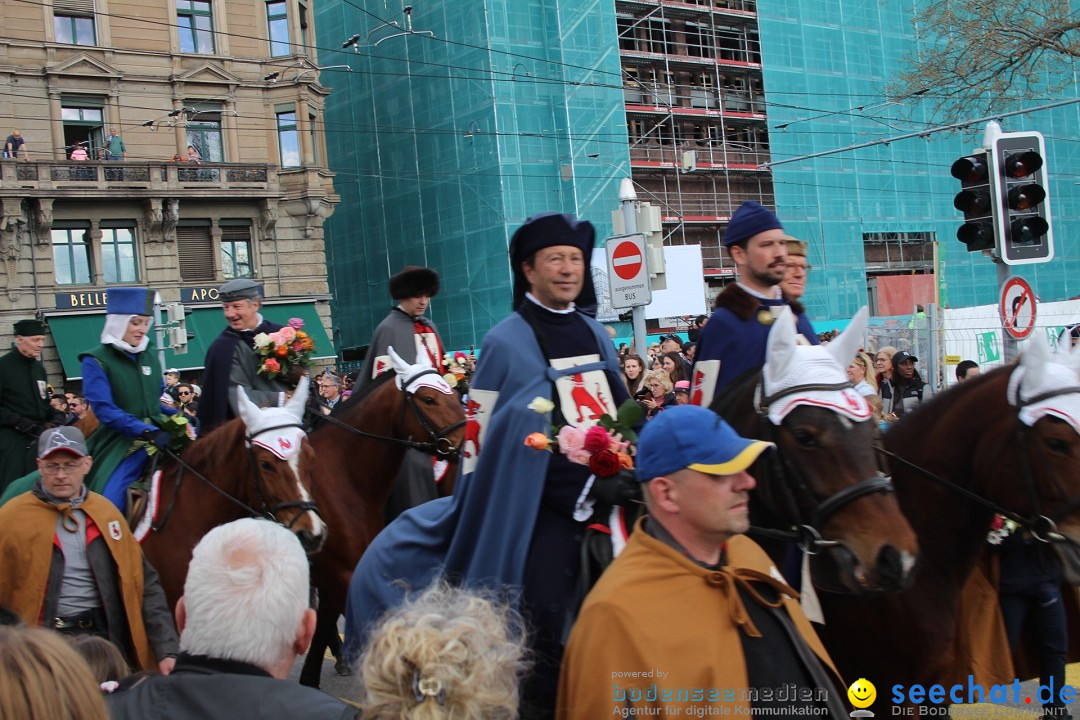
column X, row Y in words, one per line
column 297, row 346
column 570, row 439
column 288, row 334
column 581, row 457
column 596, row 439
column 296, row 323
column 272, row 365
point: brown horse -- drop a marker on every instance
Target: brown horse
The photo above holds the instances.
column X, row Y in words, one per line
column 216, row 481
column 822, row 486
column 358, row 454
column 1007, row 442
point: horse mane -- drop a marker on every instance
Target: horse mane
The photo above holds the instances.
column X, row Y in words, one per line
column 356, row 398
column 218, row 443
column 913, row 426
column 725, row 402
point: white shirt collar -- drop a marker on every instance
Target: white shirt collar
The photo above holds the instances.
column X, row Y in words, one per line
column 775, row 295
column 567, row 311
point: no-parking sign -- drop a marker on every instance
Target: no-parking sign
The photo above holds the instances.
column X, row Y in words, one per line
column 1017, row 308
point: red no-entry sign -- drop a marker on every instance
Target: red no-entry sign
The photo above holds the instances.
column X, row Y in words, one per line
column 628, row 276
column 626, row 260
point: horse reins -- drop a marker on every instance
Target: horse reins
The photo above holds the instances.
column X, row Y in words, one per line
column 440, row 444
column 807, row 534
column 267, row 512
column 1041, row 527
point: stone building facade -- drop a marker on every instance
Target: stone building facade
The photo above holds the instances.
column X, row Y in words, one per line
column 216, row 170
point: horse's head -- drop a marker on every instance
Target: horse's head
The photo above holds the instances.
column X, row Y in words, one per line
column 825, row 476
column 1045, row 391
column 281, row 468
column 434, row 416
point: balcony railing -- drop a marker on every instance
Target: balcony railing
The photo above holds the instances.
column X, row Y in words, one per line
column 748, row 6
column 65, row 175
column 708, row 155
column 693, row 99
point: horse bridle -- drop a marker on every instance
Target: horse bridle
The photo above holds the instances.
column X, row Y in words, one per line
column 270, row 511
column 266, row 510
column 439, row 445
column 1042, row 527
column 807, row 532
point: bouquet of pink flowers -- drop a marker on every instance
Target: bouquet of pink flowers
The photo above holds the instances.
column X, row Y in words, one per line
column 606, row 448
column 285, row 353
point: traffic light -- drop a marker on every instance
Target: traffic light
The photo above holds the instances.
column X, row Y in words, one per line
column 975, row 200
column 1023, row 215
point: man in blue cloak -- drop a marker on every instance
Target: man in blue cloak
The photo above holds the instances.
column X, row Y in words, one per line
column 518, row 516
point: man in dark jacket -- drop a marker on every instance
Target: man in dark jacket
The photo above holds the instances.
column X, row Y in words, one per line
column 245, row 599
column 231, row 361
column 69, row 562
column 24, row 402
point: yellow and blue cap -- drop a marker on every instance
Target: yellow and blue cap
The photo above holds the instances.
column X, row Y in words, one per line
column 688, row 436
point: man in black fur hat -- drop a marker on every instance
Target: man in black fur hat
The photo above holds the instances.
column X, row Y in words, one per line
column 410, row 333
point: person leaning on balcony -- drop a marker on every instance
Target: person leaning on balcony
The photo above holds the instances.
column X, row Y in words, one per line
column 79, row 153
column 193, row 155
column 15, row 144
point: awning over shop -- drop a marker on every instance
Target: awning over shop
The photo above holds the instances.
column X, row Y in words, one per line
column 76, row 334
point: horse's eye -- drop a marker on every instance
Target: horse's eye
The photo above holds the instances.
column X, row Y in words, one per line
column 265, row 465
column 804, row 437
column 428, row 400
column 1058, row 445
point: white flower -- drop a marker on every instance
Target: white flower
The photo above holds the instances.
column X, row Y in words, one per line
column 541, row 405
column 262, row 340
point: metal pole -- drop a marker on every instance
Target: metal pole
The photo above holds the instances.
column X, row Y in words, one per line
column 1009, row 348
column 628, row 198
column 159, row 337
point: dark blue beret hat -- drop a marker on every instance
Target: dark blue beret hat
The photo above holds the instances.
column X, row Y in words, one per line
column 129, row 301
column 750, row 219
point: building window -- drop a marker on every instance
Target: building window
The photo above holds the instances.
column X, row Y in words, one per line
column 305, row 41
column 311, row 119
column 288, row 139
column 236, row 251
column 74, row 29
column 119, row 261
column 195, row 21
column 277, row 20
column 83, row 124
column 72, row 263
column 195, row 251
column 204, row 134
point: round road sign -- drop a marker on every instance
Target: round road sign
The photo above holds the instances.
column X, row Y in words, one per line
column 626, row 260
column 1017, row 308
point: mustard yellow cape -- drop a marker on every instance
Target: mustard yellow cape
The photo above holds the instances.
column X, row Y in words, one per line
column 27, row 529
column 659, row 614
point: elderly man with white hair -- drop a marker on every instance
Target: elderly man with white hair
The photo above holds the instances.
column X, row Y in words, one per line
column 243, row 619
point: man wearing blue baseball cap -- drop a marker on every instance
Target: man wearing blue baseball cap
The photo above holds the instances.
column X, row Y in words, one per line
column 735, row 337
column 690, row 591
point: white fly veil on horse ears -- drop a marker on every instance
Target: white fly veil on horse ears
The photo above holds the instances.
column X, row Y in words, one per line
column 411, row 378
column 276, row 429
column 1047, row 383
column 790, row 365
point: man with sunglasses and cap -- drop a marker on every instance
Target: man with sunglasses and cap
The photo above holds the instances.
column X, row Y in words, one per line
column 24, row 401
column 692, row 605
column 69, row 562
column 518, row 515
column 231, row 361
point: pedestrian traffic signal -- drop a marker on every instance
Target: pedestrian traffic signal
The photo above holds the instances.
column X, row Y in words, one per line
column 975, row 200
column 1023, row 204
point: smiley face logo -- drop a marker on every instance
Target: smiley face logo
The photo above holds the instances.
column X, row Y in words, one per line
column 862, row 693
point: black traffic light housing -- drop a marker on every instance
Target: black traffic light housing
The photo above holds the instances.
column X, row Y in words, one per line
column 1023, row 203
column 975, row 200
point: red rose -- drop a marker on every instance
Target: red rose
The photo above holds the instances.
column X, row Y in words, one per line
column 604, row 463
column 596, row 439
column 997, row 523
